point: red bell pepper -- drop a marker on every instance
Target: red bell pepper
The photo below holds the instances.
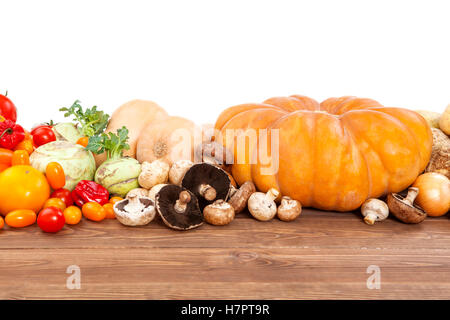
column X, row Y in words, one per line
column 11, row 134
column 89, row 191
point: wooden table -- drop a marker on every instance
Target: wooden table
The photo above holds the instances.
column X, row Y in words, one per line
column 320, row 255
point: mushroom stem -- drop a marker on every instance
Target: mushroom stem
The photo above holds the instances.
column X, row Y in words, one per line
column 207, row 192
column 411, row 196
column 273, row 193
column 181, row 203
column 371, row 217
column 134, row 204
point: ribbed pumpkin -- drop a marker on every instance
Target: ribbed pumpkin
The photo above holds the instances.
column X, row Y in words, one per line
column 331, row 156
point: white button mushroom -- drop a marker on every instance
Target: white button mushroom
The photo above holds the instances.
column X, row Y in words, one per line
column 135, row 211
column 153, row 173
column 374, row 210
column 178, row 170
column 262, row 205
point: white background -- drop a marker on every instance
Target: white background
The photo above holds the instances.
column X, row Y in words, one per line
column 196, row 58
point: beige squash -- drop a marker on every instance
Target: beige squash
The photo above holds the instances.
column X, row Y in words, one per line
column 171, row 140
column 135, row 115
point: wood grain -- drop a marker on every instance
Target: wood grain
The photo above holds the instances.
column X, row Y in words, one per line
column 321, row 255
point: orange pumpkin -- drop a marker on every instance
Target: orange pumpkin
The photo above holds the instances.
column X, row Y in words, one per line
column 331, row 156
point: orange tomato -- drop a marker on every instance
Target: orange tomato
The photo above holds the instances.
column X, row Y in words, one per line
column 22, row 187
column 93, row 211
column 113, row 200
column 20, row 218
column 55, row 202
column 20, row 157
column 6, row 157
column 83, row 141
column 26, row 145
column 109, row 210
column 55, row 175
column 2, row 222
column 72, row 215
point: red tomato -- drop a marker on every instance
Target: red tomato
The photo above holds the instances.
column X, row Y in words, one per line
column 51, row 219
column 64, row 195
column 43, row 125
column 43, row 135
column 7, row 108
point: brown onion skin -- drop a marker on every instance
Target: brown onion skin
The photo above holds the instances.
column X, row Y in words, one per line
column 434, row 193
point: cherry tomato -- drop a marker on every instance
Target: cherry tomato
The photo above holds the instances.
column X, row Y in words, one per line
column 26, row 145
column 93, row 211
column 20, row 218
column 55, row 202
column 6, row 156
column 113, row 200
column 64, row 195
column 51, row 219
column 7, row 108
column 55, row 175
column 109, row 211
column 20, row 157
column 83, row 141
column 42, row 125
column 2, row 222
column 43, row 135
column 72, row 215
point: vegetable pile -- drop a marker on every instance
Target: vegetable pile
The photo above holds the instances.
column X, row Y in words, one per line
column 142, row 163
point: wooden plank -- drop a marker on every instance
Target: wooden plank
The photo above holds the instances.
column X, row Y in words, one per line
column 320, row 255
column 192, row 273
column 312, row 229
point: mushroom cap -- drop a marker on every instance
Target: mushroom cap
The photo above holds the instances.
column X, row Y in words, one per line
column 289, row 209
column 177, row 171
column 166, row 199
column 206, row 174
column 219, row 213
column 240, row 198
column 140, row 192
column 153, row 173
column 213, row 152
column 403, row 211
column 262, row 207
column 135, row 218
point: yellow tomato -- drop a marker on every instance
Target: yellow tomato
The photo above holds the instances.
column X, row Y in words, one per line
column 20, row 218
column 109, row 210
column 93, row 211
column 72, row 215
column 22, row 187
column 113, row 200
column 55, row 202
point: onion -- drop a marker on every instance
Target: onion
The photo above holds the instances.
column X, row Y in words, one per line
column 434, row 193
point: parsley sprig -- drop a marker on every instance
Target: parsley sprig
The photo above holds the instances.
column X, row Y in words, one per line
column 92, row 121
column 113, row 144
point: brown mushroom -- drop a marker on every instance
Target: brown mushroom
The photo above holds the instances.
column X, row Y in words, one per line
column 219, row 213
column 178, row 208
column 262, row 206
column 240, row 196
column 374, row 210
column 404, row 209
column 289, row 209
column 207, row 182
column 135, row 211
column 214, row 153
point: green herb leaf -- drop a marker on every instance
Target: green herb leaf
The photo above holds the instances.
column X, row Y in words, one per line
column 91, row 121
column 112, row 143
